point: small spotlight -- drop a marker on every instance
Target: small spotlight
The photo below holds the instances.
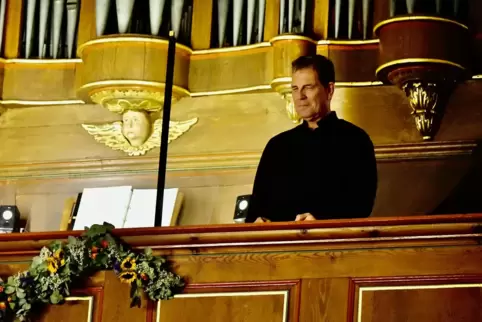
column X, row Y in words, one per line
column 9, row 219
column 241, row 210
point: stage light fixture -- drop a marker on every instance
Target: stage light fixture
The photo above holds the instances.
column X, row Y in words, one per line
column 241, row 209
column 9, row 219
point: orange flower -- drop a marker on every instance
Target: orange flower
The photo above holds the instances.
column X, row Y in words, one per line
column 9, row 299
column 144, row 277
column 94, row 249
column 1, row 289
column 94, row 255
column 3, row 306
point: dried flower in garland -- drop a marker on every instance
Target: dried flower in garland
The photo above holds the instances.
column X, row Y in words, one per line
column 51, row 273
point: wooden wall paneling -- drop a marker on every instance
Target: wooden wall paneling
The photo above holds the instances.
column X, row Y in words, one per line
column 381, row 11
column 324, row 299
column 13, row 28
column 237, row 302
column 354, row 63
column 271, row 20
column 84, row 305
column 474, row 21
column 475, row 25
column 106, row 61
column 213, row 72
column 476, row 54
column 44, row 211
column 328, row 264
column 2, row 81
column 117, row 301
column 8, row 194
column 321, row 19
column 202, row 19
column 87, row 26
column 417, row 298
column 47, row 81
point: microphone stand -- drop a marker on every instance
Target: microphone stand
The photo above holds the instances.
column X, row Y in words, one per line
column 166, row 117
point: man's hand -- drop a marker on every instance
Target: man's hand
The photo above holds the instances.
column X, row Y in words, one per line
column 305, row 217
column 261, row 220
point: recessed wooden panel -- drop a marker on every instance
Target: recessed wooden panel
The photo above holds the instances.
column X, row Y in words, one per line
column 75, row 309
column 266, row 301
column 354, row 63
column 116, row 302
column 85, row 305
column 47, row 81
column 218, row 71
column 437, row 303
column 269, row 306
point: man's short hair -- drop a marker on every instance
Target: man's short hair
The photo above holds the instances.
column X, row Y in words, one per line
column 322, row 65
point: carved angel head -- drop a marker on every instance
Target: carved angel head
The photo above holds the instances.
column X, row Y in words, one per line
column 136, row 134
column 136, row 127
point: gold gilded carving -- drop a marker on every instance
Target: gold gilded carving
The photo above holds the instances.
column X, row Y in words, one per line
column 282, row 86
column 136, row 134
column 122, row 100
column 89, row 299
column 290, row 108
column 424, row 99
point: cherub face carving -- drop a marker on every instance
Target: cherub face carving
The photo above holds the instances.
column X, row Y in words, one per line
column 136, row 127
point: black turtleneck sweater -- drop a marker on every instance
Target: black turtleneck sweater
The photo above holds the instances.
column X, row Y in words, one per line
column 329, row 172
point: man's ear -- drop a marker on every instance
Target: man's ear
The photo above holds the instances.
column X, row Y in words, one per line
column 330, row 90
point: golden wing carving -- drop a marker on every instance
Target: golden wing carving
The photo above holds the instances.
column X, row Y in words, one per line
column 109, row 134
column 176, row 129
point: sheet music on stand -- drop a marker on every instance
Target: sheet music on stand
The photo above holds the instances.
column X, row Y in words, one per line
column 142, row 208
column 99, row 205
column 125, row 207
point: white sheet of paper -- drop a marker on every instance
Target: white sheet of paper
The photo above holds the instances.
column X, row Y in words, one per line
column 99, row 205
column 142, row 208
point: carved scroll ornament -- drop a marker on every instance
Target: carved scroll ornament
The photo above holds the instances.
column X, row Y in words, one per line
column 427, row 101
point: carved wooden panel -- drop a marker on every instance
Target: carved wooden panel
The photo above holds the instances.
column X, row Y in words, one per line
column 440, row 299
column 82, row 306
column 247, row 302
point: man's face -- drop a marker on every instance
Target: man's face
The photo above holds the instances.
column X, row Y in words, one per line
column 136, row 127
column 310, row 97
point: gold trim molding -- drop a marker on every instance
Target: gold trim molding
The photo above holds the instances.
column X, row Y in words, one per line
column 40, row 103
column 230, row 49
column 406, row 288
column 90, row 299
column 132, row 39
column 348, row 42
column 288, row 37
column 241, row 90
column 251, row 89
column 416, row 18
column 285, row 295
column 91, row 87
column 418, row 61
column 21, row 61
column 147, row 165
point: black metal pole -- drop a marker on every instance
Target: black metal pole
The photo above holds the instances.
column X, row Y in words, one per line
column 166, row 117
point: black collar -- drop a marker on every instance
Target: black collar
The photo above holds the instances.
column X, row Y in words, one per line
column 329, row 119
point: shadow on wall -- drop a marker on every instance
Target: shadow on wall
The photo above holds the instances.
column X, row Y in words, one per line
column 466, row 197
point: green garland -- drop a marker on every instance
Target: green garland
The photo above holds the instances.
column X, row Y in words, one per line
column 51, row 274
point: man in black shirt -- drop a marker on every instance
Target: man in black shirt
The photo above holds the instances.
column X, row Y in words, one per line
column 324, row 168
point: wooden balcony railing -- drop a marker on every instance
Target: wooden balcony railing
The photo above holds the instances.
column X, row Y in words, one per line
column 55, row 28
